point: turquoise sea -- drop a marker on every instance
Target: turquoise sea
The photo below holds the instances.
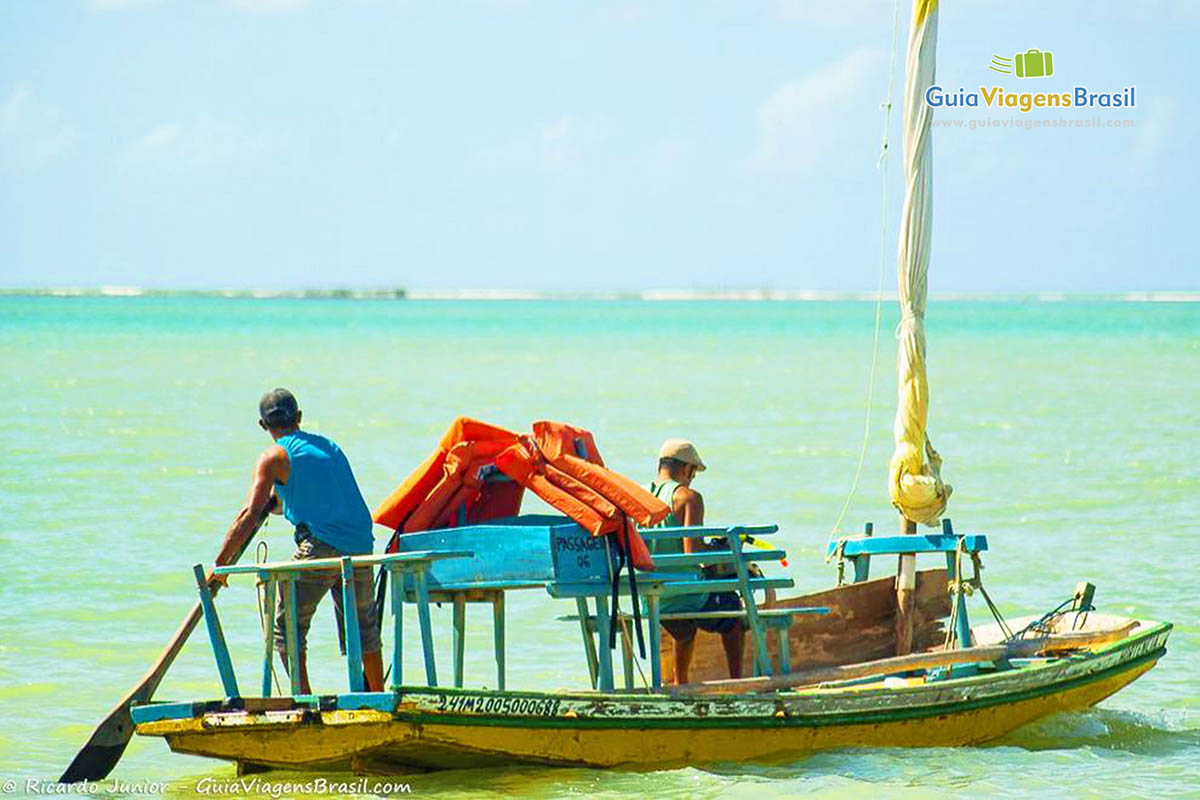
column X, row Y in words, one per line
column 1069, row 430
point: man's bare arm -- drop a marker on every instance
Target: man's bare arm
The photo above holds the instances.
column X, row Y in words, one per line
column 689, row 508
column 272, row 465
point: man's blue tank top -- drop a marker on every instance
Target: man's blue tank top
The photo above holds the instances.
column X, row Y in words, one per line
column 322, row 495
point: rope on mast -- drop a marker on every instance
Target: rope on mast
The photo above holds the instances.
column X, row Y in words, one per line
column 882, row 164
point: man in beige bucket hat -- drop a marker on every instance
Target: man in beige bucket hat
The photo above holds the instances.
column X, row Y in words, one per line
column 678, row 464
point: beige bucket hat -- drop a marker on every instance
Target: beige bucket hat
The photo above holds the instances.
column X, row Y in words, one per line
column 681, row 450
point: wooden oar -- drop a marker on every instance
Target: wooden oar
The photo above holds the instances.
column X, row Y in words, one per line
column 107, row 743
column 1021, row 648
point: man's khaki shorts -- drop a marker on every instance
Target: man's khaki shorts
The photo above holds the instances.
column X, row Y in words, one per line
column 314, row 586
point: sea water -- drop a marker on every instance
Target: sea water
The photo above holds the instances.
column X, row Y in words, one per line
column 1069, row 431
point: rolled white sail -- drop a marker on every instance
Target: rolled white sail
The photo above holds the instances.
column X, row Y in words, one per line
column 915, row 482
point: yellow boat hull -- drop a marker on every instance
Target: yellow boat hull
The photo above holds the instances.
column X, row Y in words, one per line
column 427, row 729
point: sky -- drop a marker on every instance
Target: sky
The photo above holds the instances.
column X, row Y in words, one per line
column 562, row 146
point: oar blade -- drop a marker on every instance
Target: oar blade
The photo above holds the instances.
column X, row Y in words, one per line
column 102, row 752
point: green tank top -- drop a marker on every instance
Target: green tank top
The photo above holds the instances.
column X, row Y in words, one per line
column 665, row 491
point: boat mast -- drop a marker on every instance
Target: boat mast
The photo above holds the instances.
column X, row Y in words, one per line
column 915, row 483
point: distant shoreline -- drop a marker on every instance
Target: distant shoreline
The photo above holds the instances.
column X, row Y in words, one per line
column 649, row 295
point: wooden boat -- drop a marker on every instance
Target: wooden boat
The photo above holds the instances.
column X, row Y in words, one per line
column 423, row 728
column 868, row 663
column 934, row 697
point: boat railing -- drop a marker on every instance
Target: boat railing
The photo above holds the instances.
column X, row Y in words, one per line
column 480, row 563
column 677, row 575
column 282, row 577
column 859, row 550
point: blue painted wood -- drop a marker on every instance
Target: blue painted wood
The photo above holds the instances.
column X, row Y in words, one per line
column 677, row 560
column 666, row 588
column 498, row 637
column 606, row 665
column 426, row 627
column 354, row 666
column 215, row 636
column 157, row 711
column 374, row 701
column 707, row 530
column 268, row 632
column 485, row 586
column 333, row 564
column 862, row 563
column 515, row 549
column 589, row 643
column 673, row 588
column 292, row 632
column 396, row 578
column 459, row 637
column 910, row 543
column 578, row 556
column 757, row 629
column 626, row 652
column 773, row 617
column 655, row 641
column 785, row 649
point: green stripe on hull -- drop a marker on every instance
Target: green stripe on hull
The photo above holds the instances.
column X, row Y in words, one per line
column 881, row 715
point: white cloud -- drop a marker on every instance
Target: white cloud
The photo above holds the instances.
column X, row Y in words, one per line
column 31, row 133
column 267, row 6
column 161, row 136
column 200, row 143
column 1153, row 130
column 802, row 120
column 563, row 143
column 121, row 5
column 249, row 6
column 835, row 14
column 668, row 157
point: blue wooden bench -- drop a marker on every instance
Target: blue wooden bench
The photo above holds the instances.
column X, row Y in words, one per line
column 677, row 575
column 860, row 550
column 505, row 555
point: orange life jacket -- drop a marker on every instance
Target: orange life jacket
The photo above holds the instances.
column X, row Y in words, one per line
column 560, row 463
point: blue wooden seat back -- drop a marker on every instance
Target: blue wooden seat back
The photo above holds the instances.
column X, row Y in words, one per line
column 913, row 543
column 521, row 552
column 676, row 575
column 515, row 552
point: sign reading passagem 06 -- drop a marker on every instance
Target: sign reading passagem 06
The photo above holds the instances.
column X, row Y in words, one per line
column 996, row 97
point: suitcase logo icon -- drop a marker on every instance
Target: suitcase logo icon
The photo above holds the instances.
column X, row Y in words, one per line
column 1034, row 64
column 1030, row 64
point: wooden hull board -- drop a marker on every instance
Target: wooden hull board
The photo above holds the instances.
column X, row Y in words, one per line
column 449, row 728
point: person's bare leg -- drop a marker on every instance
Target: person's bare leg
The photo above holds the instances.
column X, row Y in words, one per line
column 684, row 648
column 734, row 641
column 373, row 670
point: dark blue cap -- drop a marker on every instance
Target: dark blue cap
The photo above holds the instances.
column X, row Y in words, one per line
column 278, row 408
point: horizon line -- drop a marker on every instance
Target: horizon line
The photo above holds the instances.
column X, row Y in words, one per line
column 649, row 295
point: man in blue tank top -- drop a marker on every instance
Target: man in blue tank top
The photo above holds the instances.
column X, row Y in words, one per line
column 317, row 493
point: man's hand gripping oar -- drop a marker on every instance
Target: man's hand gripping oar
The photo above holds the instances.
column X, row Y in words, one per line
column 107, row 744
